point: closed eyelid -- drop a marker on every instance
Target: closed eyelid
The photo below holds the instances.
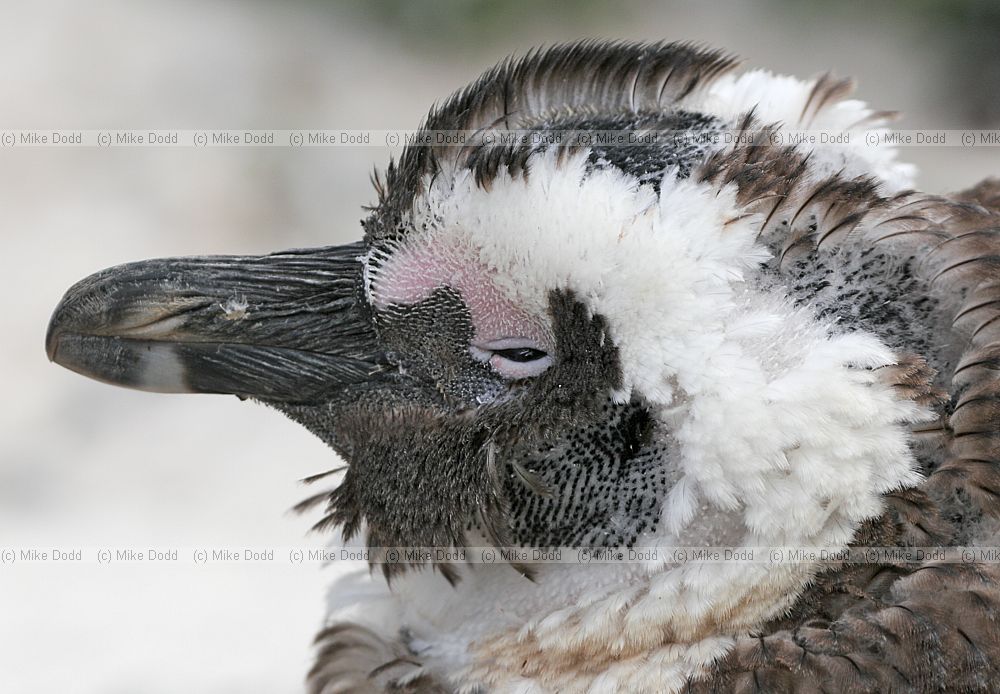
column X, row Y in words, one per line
column 507, row 343
column 492, row 353
column 521, row 354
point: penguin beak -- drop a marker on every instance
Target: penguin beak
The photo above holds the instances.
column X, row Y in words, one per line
column 287, row 327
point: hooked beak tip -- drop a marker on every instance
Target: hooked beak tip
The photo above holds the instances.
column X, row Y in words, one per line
column 56, row 330
column 52, row 341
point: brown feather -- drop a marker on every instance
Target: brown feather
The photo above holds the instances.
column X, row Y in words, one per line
column 827, row 89
column 985, row 193
column 354, row 659
column 895, row 628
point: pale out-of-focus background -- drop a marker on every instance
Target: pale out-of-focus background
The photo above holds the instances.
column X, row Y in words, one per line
column 89, row 465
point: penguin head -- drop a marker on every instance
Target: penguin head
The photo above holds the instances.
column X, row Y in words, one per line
column 526, row 312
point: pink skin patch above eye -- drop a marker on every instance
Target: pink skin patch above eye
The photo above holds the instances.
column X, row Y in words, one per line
column 410, row 275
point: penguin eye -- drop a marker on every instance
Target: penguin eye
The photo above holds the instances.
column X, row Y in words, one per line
column 514, row 358
column 520, row 354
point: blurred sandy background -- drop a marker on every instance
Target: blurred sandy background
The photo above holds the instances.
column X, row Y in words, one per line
column 86, row 464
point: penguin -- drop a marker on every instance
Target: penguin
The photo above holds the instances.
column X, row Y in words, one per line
column 636, row 306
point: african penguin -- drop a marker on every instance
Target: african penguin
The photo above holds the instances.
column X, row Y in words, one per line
column 623, row 340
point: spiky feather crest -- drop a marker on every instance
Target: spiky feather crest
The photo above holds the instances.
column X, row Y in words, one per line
column 588, row 77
